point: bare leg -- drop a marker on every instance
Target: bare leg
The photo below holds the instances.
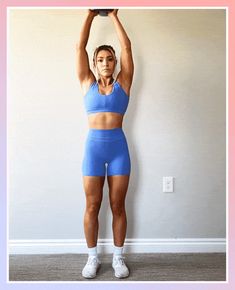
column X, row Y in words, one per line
column 118, row 185
column 93, row 186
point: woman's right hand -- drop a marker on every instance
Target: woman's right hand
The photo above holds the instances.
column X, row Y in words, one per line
column 92, row 12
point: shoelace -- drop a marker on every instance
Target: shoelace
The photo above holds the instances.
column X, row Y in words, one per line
column 119, row 261
column 92, row 261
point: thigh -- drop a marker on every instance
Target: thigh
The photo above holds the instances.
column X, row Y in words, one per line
column 94, row 159
column 118, row 186
column 119, row 162
column 93, row 186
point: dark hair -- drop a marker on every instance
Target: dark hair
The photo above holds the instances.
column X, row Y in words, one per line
column 103, row 47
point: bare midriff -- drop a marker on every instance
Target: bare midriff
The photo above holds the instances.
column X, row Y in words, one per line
column 105, row 120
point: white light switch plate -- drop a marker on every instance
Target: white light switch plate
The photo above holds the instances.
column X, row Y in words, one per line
column 168, row 184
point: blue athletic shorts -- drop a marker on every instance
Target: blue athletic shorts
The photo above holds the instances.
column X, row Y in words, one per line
column 106, row 149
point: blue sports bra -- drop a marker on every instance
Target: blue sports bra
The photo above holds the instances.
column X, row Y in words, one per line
column 117, row 101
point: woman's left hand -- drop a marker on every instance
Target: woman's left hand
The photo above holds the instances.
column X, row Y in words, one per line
column 113, row 13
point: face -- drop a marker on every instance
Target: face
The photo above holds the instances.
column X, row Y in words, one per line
column 105, row 63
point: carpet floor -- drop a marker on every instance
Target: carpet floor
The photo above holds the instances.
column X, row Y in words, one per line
column 143, row 267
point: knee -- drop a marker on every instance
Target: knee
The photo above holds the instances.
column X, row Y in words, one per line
column 92, row 209
column 118, row 209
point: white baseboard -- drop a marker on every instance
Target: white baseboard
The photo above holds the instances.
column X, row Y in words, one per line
column 61, row 246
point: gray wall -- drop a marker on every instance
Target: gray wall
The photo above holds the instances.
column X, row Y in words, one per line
column 175, row 123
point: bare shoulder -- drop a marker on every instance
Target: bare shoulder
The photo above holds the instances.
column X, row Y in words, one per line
column 86, row 84
column 125, row 84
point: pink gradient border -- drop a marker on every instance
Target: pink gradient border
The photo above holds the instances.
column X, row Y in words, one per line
column 231, row 145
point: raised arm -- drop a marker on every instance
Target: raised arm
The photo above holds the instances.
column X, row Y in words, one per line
column 84, row 73
column 125, row 75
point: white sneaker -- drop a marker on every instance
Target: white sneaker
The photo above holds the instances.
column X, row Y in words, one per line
column 91, row 267
column 120, row 268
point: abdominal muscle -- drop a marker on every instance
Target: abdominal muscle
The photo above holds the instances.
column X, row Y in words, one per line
column 105, row 120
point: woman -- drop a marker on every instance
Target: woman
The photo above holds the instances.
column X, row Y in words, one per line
column 106, row 101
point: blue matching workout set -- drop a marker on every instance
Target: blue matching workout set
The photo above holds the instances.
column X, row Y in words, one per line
column 106, row 148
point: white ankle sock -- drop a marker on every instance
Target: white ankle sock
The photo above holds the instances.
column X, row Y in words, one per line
column 92, row 251
column 117, row 251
